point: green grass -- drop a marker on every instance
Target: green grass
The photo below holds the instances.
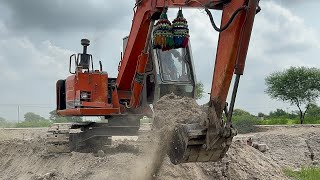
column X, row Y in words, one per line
column 287, row 121
column 278, row 121
column 246, row 123
column 312, row 120
column 310, row 173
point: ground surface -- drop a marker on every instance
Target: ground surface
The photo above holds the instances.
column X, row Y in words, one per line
column 23, row 152
column 23, row 156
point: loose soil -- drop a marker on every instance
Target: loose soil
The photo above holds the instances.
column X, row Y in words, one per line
column 23, row 154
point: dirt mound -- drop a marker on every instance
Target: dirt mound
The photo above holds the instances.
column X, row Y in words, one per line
column 26, row 159
column 298, row 147
column 242, row 162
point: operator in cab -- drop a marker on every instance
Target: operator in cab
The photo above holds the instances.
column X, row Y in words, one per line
column 174, row 66
column 168, row 64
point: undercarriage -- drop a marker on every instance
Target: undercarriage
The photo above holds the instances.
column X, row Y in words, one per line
column 89, row 136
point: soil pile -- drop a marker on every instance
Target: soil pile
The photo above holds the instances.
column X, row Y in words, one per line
column 27, row 159
column 241, row 162
column 294, row 148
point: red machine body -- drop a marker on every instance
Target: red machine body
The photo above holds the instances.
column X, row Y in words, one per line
column 88, row 91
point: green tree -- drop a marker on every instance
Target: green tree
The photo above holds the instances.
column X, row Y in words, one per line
column 313, row 111
column 199, row 90
column 54, row 117
column 299, row 86
column 32, row 117
column 240, row 112
column 261, row 115
column 278, row 113
column 245, row 123
column 33, row 120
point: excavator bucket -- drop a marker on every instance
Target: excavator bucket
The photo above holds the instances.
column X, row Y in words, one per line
column 189, row 145
column 200, row 143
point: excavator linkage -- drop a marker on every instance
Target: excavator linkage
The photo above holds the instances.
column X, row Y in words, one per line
column 199, row 142
column 210, row 140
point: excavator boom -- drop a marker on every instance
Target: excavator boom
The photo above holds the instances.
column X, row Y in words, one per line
column 194, row 143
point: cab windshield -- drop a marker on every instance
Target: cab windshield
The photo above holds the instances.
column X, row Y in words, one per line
column 174, row 65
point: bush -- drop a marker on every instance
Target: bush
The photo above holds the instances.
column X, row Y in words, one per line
column 42, row 123
column 312, row 120
column 279, row 121
column 245, row 123
column 287, row 121
column 7, row 124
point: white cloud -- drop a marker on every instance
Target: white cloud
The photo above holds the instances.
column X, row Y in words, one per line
column 29, row 72
column 26, row 60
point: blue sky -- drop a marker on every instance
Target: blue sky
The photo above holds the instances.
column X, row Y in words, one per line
column 37, row 37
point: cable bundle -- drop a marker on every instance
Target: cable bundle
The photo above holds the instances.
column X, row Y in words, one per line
column 180, row 31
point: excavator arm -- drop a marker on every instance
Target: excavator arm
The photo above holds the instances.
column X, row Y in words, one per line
column 231, row 52
column 211, row 140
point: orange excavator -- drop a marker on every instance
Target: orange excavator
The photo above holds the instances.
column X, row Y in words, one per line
column 157, row 60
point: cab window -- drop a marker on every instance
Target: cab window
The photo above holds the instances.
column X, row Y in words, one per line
column 174, row 65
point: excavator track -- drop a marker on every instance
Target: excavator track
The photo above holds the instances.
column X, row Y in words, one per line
column 88, row 136
column 57, row 140
column 145, row 133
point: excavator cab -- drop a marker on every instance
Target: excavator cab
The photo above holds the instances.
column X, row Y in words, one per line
column 176, row 72
column 168, row 72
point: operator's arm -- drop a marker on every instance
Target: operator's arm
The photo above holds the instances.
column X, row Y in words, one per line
column 175, row 53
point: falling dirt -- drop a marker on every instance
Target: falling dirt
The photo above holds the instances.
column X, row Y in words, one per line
column 23, row 154
column 170, row 111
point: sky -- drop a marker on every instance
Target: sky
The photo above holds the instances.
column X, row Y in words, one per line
column 37, row 38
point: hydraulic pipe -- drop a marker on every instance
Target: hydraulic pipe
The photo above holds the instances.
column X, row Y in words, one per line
column 140, row 70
